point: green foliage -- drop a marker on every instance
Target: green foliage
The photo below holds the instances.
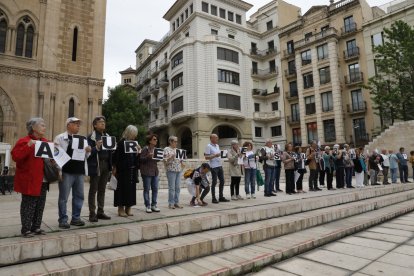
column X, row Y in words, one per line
column 122, row 109
column 392, row 89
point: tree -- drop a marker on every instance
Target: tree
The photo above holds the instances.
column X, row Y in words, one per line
column 122, row 109
column 392, row 88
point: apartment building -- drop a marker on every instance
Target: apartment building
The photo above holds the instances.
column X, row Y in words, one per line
column 215, row 72
column 324, row 63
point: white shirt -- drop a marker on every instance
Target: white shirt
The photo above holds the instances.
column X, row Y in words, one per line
column 386, row 162
column 271, row 152
column 250, row 163
column 212, row 149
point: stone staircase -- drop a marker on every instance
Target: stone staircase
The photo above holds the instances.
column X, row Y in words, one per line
column 220, row 242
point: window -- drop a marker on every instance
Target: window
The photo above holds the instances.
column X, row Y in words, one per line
column 191, row 8
column 324, row 75
column 186, row 13
column 308, row 36
column 312, row 131
column 254, row 68
column 74, row 43
column 177, row 59
column 177, row 81
column 276, row 131
column 329, row 130
column 3, row 34
column 187, row 34
column 182, row 18
column 271, row 46
column 204, row 7
column 228, row 55
column 222, row 13
column 295, row 112
column 213, row 10
column 214, row 32
column 293, row 89
column 322, row 51
column 71, row 112
column 230, row 16
column 127, row 81
column 324, row 30
column 354, row 74
column 228, row 77
column 349, row 24
column 275, row 106
column 357, row 100
column 310, row 105
column 238, row 19
column 272, row 66
column 297, row 137
column 256, row 107
column 351, row 48
column 360, row 130
column 178, row 22
column 258, row 132
column 377, row 39
column 291, row 67
column 231, row 36
column 173, row 26
column 269, row 25
column 308, row 80
column 228, row 101
column 306, row 57
column 177, row 105
column 20, row 40
column 290, row 47
column 327, row 101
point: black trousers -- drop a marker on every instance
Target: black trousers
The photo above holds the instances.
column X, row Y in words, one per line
column 98, row 186
column 217, row 173
column 204, row 192
column 290, row 180
column 340, row 177
column 299, row 182
column 235, row 185
column 31, row 210
column 313, row 179
column 321, row 177
column 329, row 178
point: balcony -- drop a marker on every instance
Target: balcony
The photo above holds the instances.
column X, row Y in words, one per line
column 145, row 93
column 155, row 88
column 290, row 73
column 306, row 62
column 163, row 101
column 349, row 29
column 293, row 120
column 154, row 106
column 357, row 108
column 323, row 35
column 292, row 95
column 263, row 93
column 267, row 116
column 264, row 73
column 164, row 82
column 155, row 71
column 354, row 79
column 146, row 78
column 140, row 84
column 164, row 64
column 159, row 123
column 351, row 54
column 288, row 53
column 262, row 54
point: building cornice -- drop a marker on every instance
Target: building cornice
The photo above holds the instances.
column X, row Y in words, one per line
column 385, row 16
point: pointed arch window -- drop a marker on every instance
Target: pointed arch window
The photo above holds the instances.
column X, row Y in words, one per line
column 3, row 34
column 71, row 108
column 20, row 40
column 75, row 43
column 25, row 38
column 29, row 42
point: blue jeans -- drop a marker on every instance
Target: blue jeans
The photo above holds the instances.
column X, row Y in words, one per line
column 250, row 181
column 394, row 175
column 150, row 182
column 269, row 178
column 277, row 179
column 348, row 176
column 174, row 179
column 74, row 182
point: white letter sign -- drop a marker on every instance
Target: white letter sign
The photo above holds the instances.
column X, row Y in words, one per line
column 44, row 149
column 108, row 142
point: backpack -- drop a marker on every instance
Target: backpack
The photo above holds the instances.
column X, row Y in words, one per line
column 188, row 173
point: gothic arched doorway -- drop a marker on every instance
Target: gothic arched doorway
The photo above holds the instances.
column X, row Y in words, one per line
column 186, row 139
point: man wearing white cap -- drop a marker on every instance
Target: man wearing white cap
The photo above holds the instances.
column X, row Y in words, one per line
column 73, row 172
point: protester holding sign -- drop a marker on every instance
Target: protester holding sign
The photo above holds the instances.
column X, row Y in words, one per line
column 328, row 166
column 278, row 168
column 125, row 169
column 300, row 169
column 29, row 179
column 235, row 158
column 99, row 166
column 73, row 172
column 267, row 156
column 173, row 166
column 403, row 165
column 375, row 161
column 313, row 162
column 349, row 165
column 288, row 159
column 149, row 173
column 250, row 167
column 360, row 168
column 213, row 154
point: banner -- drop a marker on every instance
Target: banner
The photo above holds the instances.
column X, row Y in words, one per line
column 60, row 156
column 44, row 149
column 108, row 143
column 131, row 146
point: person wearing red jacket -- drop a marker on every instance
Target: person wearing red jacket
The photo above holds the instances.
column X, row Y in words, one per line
column 29, row 180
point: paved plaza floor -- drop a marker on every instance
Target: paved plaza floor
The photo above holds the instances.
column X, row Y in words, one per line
column 10, row 207
column 386, row 249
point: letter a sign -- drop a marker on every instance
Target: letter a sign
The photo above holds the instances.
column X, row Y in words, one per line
column 44, row 149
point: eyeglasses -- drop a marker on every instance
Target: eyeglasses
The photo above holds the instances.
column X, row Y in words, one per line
column 154, row 139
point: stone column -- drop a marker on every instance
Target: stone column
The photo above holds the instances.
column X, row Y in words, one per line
column 52, row 118
column 90, row 114
column 41, row 101
column 318, row 100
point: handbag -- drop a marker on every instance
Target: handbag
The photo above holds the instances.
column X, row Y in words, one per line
column 50, row 171
column 113, row 183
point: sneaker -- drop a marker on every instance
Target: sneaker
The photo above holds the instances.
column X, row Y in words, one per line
column 204, row 203
column 93, row 218
column 27, row 234
column 279, row 190
column 64, row 225
column 223, row 199
column 178, row 206
column 103, row 216
column 253, row 196
column 192, row 203
column 155, row 209
column 239, row 197
column 77, row 222
column 318, row 189
column 233, row 197
column 171, row 206
column 148, row 210
column 248, row 196
column 39, row 232
column 215, row 201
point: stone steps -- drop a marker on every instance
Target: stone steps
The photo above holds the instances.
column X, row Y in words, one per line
column 139, row 247
column 252, row 257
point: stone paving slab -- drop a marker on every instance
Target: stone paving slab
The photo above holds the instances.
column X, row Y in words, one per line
column 305, row 267
column 381, row 269
column 355, row 250
column 382, row 237
column 341, row 260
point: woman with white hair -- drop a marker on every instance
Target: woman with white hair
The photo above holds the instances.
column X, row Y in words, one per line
column 173, row 166
column 29, row 178
column 125, row 168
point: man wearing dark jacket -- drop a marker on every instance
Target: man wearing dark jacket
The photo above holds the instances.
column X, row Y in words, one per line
column 99, row 167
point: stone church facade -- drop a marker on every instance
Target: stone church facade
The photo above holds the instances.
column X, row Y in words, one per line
column 51, row 63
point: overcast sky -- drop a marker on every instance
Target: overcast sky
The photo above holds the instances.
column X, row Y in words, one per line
column 129, row 22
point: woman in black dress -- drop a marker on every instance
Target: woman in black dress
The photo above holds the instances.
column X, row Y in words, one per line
column 125, row 168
